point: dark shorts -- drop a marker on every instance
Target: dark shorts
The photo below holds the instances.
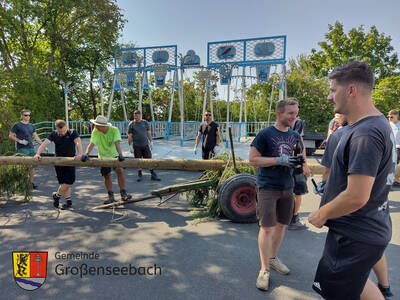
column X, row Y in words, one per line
column 65, row 175
column 27, row 151
column 300, row 184
column 274, row 206
column 105, row 171
column 398, row 155
column 344, row 267
column 142, row 152
column 207, row 153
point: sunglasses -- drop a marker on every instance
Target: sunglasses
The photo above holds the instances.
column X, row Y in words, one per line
column 27, row 115
column 207, row 115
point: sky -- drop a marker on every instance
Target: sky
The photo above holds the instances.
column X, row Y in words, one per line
column 191, row 24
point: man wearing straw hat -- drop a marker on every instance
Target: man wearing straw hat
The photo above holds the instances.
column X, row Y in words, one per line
column 107, row 138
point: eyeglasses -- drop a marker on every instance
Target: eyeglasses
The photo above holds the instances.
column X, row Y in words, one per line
column 207, row 115
column 27, row 115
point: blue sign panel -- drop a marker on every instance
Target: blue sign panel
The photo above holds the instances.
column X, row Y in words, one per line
column 226, row 52
column 130, row 58
column 160, row 79
column 225, row 76
column 264, row 49
column 262, row 73
column 130, row 79
column 191, row 59
column 160, row 57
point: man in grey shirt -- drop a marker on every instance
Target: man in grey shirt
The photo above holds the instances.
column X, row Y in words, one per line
column 355, row 202
column 139, row 136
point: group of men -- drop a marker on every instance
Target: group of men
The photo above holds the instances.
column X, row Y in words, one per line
column 360, row 161
column 354, row 203
column 67, row 142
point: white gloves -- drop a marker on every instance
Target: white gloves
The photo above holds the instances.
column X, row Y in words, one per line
column 216, row 149
column 195, row 150
column 23, row 142
column 151, row 146
column 131, row 149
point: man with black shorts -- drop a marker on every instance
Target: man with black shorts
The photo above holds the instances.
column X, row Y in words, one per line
column 107, row 138
column 300, row 180
column 355, row 201
column 22, row 133
column 272, row 152
column 209, row 130
column 139, row 136
column 65, row 141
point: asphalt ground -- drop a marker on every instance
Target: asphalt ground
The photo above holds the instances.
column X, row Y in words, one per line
column 213, row 260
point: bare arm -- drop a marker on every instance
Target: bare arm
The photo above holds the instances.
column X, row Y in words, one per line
column 37, row 138
column 41, row 149
column 197, row 139
column 255, row 159
column 218, row 138
column 130, row 139
column 306, row 169
column 118, row 146
column 89, row 148
column 325, row 174
column 355, row 196
column 149, row 136
column 78, row 144
column 13, row 136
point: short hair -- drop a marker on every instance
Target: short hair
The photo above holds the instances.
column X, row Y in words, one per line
column 353, row 72
column 394, row 112
column 207, row 111
column 281, row 105
column 25, row 111
column 137, row 112
column 59, row 123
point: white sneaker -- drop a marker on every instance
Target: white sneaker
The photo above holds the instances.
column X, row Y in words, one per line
column 278, row 266
column 263, row 280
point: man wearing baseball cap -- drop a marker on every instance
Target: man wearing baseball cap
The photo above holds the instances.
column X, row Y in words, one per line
column 107, row 138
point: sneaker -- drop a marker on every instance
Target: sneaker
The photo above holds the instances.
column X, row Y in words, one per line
column 34, row 186
column 125, row 197
column 110, row 198
column 262, row 282
column 154, row 177
column 386, row 292
column 67, row 205
column 278, row 266
column 295, row 224
column 140, row 177
column 56, row 200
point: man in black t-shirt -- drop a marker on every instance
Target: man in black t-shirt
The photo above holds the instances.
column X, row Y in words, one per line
column 211, row 140
column 65, row 141
column 272, row 151
column 355, row 202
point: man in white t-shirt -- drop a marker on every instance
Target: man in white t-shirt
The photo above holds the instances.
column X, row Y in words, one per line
column 393, row 117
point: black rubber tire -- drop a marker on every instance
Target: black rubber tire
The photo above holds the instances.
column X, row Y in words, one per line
column 237, row 198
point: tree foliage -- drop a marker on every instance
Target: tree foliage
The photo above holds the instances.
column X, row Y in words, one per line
column 386, row 95
column 339, row 47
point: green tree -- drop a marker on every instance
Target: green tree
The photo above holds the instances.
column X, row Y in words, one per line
column 386, row 95
column 339, row 47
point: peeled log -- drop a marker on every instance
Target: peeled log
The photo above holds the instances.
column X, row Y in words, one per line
column 136, row 163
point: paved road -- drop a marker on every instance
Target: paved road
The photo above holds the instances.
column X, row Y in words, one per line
column 214, row 260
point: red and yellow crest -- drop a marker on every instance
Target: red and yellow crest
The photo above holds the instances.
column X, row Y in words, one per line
column 30, row 269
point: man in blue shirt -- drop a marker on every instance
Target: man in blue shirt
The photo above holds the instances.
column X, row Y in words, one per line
column 272, row 151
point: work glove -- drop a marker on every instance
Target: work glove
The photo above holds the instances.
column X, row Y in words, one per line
column 121, row 157
column 290, row 161
column 195, row 150
column 151, row 146
column 23, row 142
column 320, row 188
column 216, row 149
column 131, row 150
column 84, row 158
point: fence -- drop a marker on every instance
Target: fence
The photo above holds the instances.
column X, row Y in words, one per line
column 161, row 130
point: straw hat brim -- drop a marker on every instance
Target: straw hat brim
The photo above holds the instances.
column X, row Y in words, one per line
column 100, row 124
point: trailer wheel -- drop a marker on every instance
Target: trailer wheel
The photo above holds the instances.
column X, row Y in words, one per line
column 237, row 198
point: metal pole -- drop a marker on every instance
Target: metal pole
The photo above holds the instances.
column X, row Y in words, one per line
column 140, row 92
column 123, row 103
column 284, row 81
column 227, row 112
column 181, row 106
column 151, row 105
column 211, row 103
column 270, row 103
column 205, row 99
column 244, row 94
column 66, row 107
column 111, row 97
column 171, row 103
column 101, row 98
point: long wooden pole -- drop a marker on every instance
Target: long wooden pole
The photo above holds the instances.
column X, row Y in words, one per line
column 136, row 163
